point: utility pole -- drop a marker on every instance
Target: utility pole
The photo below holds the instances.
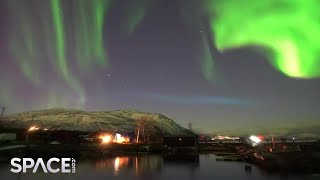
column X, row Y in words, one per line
column 273, row 142
column 137, row 141
column 190, row 126
column 3, row 108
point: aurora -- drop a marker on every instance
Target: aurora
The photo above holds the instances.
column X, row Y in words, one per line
column 63, row 37
column 287, row 31
column 217, row 63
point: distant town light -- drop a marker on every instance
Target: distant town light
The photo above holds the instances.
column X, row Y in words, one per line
column 226, row 137
column 33, row 128
column 260, row 137
column 255, row 139
column 45, row 129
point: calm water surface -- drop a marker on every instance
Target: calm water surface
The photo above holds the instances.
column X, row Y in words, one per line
column 154, row 167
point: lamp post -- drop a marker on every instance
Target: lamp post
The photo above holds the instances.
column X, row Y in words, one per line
column 3, row 108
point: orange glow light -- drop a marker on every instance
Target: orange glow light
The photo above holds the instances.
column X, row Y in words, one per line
column 120, row 162
column 33, row 128
column 121, row 139
column 105, row 138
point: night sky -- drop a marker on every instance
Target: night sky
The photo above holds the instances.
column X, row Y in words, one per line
column 216, row 67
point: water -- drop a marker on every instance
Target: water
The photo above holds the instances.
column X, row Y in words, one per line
column 156, row 167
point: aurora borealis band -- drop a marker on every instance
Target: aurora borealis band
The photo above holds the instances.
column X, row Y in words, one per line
column 57, row 34
column 288, row 30
column 194, row 61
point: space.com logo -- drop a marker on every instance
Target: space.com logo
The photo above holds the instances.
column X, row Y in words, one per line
column 65, row 165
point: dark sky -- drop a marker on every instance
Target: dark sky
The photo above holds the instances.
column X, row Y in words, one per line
column 157, row 68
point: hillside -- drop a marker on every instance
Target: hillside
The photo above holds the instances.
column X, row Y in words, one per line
column 77, row 120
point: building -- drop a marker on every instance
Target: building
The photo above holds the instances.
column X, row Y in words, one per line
column 180, row 143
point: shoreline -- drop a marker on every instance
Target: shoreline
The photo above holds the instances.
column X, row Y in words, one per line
column 299, row 161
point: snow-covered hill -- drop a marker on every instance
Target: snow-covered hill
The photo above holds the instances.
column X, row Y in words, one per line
column 77, row 120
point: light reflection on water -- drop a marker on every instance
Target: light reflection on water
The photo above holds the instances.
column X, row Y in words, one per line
column 137, row 164
column 154, row 167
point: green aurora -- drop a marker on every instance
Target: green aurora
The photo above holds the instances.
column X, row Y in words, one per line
column 68, row 36
column 136, row 12
column 288, row 30
column 57, row 33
